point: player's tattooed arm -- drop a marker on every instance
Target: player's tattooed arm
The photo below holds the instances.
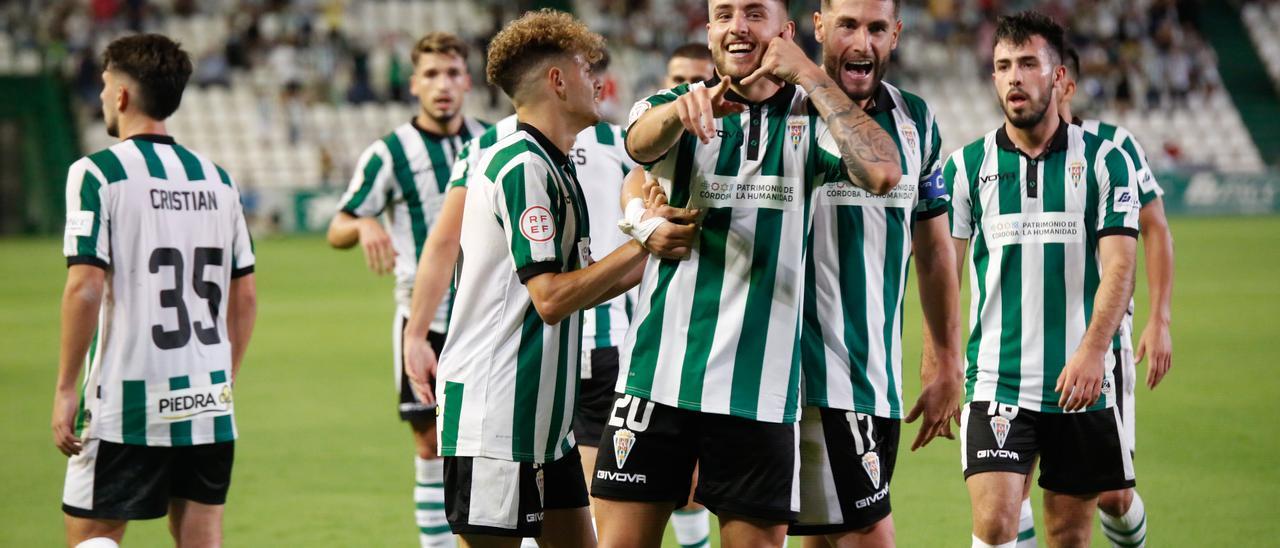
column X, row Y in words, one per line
column 868, row 152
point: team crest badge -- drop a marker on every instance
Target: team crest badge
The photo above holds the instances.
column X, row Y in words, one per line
column 1000, row 427
column 1077, row 171
column 871, row 463
column 909, row 137
column 225, row 396
column 796, row 130
column 540, row 479
column 623, row 441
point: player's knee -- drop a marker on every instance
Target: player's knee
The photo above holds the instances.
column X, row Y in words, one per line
column 1069, row 535
column 995, row 527
column 1116, row 503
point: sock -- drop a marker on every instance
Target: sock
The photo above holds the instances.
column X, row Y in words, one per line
column 1127, row 530
column 977, row 543
column 428, row 499
column 693, row 527
column 528, row 543
column 1026, row 526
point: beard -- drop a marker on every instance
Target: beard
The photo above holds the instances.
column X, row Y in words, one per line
column 113, row 127
column 1034, row 112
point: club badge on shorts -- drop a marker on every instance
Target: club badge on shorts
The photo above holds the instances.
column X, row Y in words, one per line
column 623, row 441
column 871, row 463
column 1000, row 427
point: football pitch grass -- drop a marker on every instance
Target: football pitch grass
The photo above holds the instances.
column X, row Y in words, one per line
column 323, row 461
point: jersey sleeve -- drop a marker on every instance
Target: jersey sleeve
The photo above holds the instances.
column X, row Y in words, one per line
column 661, row 98
column 85, row 238
column 530, row 218
column 960, row 205
column 462, row 166
column 1117, row 205
column 367, row 194
column 932, row 191
column 242, row 256
column 1148, row 188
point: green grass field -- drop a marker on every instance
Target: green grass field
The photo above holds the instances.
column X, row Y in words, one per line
column 323, row 460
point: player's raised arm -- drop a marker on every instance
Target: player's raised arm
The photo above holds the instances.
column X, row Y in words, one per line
column 869, row 154
column 659, row 121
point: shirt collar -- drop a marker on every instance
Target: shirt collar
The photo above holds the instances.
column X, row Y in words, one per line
column 1057, row 143
column 554, row 152
column 155, row 138
column 881, row 101
column 779, row 99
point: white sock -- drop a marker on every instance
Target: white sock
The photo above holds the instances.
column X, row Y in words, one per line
column 977, row 543
column 1129, row 530
column 1026, row 526
column 98, row 542
column 529, row 543
column 428, row 499
column 693, row 527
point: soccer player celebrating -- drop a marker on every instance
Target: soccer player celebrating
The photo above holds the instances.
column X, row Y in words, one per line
column 1049, row 214
column 855, row 281
column 710, row 369
column 508, row 375
column 402, row 178
column 1124, row 518
column 152, row 430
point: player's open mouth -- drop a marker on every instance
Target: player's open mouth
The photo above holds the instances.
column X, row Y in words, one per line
column 443, row 103
column 740, row 49
column 859, row 69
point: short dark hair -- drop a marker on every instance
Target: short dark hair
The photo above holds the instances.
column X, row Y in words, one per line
column 159, row 66
column 1018, row 28
column 439, row 42
column 693, row 50
column 896, row 6
column 524, row 44
column 1072, row 62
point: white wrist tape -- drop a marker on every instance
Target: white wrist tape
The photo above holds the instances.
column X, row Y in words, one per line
column 631, row 224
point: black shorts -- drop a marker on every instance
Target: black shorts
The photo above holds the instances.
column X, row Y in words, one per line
column 595, row 395
column 115, row 481
column 411, row 408
column 745, row 467
column 846, row 464
column 478, row 494
column 1080, row 453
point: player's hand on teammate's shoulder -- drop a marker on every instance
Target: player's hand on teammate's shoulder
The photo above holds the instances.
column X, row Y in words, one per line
column 1156, row 343
column 784, row 61
column 420, row 367
column 701, row 106
column 379, row 255
column 65, row 405
column 1080, row 383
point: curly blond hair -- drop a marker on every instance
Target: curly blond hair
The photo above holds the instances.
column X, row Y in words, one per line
column 533, row 38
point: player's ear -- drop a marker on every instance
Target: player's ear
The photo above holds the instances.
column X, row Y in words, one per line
column 123, row 97
column 789, row 30
column 897, row 31
column 555, row 79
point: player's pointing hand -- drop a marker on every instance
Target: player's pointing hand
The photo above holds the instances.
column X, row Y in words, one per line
column 700, row 107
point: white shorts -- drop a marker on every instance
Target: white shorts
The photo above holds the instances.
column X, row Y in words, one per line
column 1126, row 375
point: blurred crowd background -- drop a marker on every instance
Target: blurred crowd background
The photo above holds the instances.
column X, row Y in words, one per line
column 286, row 93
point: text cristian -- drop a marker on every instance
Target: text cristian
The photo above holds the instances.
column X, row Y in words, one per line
column 184, row 200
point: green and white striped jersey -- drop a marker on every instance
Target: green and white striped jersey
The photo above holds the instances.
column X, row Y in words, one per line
column 1148, row 190
column 856, row 270
column 1033, row 227
column 720, row 331
column 402, row 177
column 166, row 225
column 602, row 162
column 507, row 382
